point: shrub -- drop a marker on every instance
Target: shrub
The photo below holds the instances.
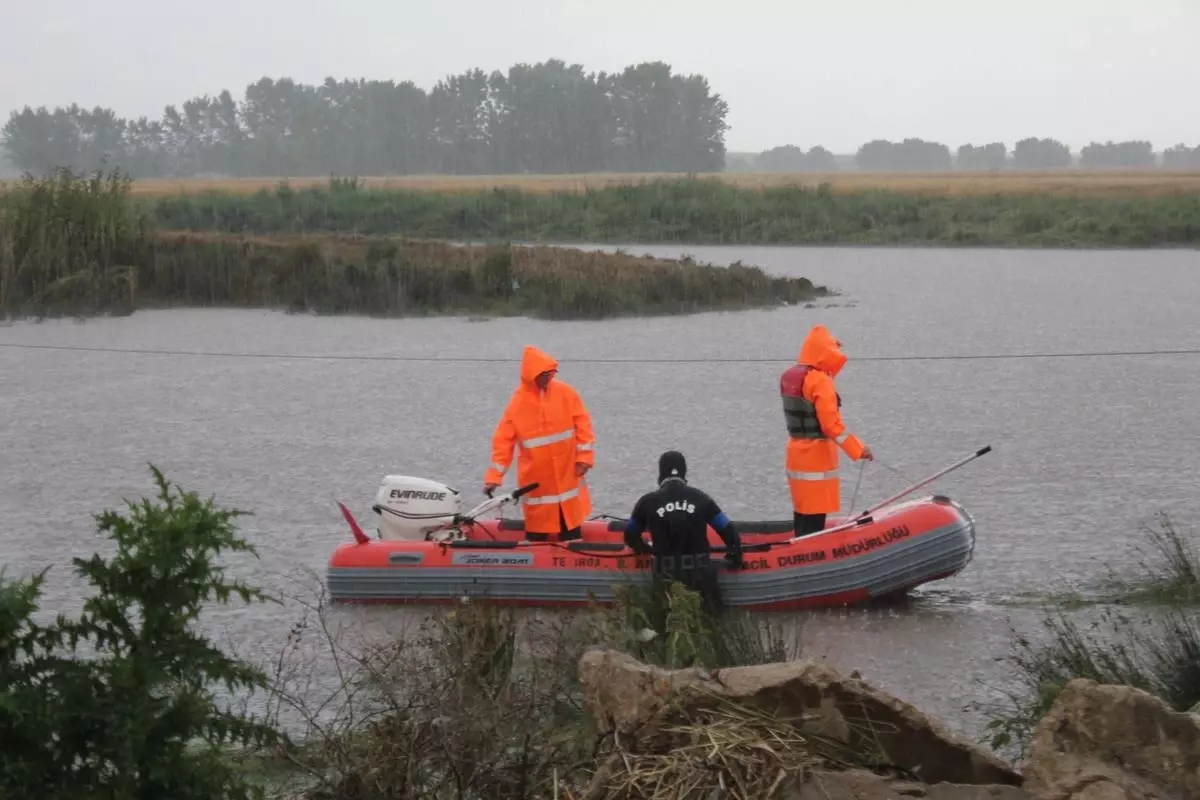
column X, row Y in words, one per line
column 119, row 702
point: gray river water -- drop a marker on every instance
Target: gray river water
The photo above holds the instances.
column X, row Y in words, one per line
column 1086, row 449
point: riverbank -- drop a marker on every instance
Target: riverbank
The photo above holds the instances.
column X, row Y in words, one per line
column 702, row 211
column 111, row 258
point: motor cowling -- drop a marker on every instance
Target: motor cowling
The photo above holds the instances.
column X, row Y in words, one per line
column 408, row 507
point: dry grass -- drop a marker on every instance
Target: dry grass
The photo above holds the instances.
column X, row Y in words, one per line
column 1096, row 183
column 730, row 751
column 481, row 702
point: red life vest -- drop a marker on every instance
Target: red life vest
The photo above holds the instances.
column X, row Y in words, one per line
column 800, row 414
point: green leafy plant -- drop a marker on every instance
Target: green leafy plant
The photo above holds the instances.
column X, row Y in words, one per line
column 119, row 702
column 666, row 624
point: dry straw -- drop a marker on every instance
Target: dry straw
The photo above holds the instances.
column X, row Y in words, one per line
column 729, row 750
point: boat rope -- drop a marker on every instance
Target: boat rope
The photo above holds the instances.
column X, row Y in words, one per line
column 861, row 464
column 894, row 471
column 481, row 360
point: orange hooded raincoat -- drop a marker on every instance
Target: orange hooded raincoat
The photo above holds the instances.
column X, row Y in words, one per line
column 812, row 458
column 552, row 431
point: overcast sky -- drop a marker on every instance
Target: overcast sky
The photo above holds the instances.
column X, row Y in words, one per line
column 834, row 72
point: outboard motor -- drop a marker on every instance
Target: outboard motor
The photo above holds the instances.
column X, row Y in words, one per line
column 408, row 506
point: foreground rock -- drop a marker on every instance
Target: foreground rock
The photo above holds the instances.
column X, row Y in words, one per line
column 1104, row 742
column 635, row 700
column 861, row 785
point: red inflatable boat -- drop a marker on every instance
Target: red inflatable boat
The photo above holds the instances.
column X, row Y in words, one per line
column 428, row 552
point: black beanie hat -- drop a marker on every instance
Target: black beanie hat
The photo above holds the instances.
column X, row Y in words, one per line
column 671, row 464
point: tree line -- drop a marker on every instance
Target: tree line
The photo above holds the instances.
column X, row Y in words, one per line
column 548, row 117
column 918, row 155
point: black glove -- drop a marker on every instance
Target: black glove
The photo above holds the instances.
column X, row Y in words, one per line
column 734, row 559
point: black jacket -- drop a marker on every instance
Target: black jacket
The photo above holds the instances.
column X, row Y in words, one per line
column 677, row 517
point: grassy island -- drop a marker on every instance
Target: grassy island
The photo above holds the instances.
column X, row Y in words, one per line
column 83, row 245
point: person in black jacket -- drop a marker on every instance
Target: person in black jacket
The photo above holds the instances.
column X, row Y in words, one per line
column 677, row 517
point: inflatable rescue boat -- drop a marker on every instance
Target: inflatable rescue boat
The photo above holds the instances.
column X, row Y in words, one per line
column 426, row 551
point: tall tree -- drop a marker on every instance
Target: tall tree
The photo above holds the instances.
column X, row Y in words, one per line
column 820, row 160
column 790, row 158
column 1035, row 153
column 912, row 155
column 982, row 158
column 1181, row 156
column 874, row 156
column 1117, row 154
column 784, row 158
column 460, row 106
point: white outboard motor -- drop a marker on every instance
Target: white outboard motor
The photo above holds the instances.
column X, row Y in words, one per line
column 409, row 506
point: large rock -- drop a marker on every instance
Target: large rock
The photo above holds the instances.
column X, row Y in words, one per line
column 859, row 785
column 1102, row 742
column 631, row 698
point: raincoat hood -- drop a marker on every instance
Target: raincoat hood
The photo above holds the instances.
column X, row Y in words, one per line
column 821, row 350
column 533, row 363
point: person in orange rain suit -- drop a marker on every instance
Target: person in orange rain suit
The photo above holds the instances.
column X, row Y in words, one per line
column 550, row 426
column 815, row 431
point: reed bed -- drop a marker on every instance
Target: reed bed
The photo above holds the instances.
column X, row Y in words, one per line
column 70, row 242
column 1162, row 570
column 1093, row 182
column 80, row 245
column 699, row 211
column 1168, row 571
